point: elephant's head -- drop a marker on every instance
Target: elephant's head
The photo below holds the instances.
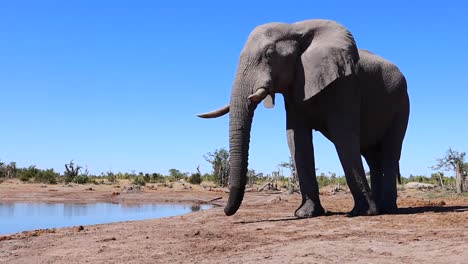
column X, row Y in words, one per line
column 298, row 60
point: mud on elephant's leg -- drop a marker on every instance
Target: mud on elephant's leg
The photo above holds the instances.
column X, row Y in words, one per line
column 300, row 145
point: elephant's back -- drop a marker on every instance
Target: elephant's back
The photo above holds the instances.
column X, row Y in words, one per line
column 380, row 71
column 383, row 96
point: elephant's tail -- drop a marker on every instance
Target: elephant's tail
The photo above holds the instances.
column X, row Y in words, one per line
column 399, row 175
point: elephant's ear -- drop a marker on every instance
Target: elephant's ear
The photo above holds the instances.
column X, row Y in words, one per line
column 328, row 52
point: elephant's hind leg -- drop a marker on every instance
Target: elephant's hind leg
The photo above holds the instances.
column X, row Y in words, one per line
column 391, row 152
column 350, row 157
column 374, row 160
column 342, row 120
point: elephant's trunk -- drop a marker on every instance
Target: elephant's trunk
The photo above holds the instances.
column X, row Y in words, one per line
column 240, row 122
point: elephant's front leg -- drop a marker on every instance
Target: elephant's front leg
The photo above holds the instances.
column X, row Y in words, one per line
column 302, row 152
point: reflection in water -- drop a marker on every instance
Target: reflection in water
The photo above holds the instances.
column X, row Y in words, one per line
column 16, row 217
column 74, row 210
column 6, row 210
column 195, row 207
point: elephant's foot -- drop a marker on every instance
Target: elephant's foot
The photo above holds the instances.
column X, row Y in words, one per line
column 388, row 208
column 309, row 209
column 364, row 209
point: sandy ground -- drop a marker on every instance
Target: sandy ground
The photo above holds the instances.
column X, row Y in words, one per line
column 263, row 231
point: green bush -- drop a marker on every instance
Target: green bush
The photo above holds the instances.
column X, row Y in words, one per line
column 175, row 175
column 139, row 181
column 81, row 179
column 157, row 178
column 26, row 175
column 123, row 176
column 208, row 177
column 147, row 177
column 24, row 178
column 94, row 181
column 195, row 178
column 331, row 179
column 46, row 176
column 417, row 178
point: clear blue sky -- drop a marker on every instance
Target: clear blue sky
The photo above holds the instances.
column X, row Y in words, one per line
column 116, row 85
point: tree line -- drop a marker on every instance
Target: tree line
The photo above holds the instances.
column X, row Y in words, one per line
column 74, row 173
column 219, row 160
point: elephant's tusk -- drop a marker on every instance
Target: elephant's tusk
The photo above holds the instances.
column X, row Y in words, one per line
column 216, row 113
column 258, row 96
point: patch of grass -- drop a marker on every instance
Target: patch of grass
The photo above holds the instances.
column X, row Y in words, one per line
column 441, row 195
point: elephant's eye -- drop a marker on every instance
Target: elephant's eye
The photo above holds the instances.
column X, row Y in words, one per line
column 269, row 53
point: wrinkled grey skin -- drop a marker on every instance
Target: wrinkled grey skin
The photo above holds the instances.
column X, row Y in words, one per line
column 354, row 98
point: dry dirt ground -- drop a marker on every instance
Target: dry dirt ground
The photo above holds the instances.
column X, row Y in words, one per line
column 427, row 230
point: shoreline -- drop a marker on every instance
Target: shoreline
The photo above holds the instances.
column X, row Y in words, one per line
column 429, row 229
column 15, row 191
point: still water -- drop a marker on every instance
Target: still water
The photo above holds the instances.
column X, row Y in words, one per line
column 17, row 217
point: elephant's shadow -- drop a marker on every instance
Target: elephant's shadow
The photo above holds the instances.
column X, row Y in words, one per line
column 432, row 209
column 401, row 211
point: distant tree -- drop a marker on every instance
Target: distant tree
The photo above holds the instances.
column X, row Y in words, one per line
column 219, row 160
column 11, row 170
column 3, row 170
column 454, row 161
column 251, row 177
column 111, row 177
column 147, row 177
column 176, row 175
column 8, row 170
column 440, row 179
column 27, row 174
column 196, row 177
column 290, row 166
column 156, row 177
column 71, row 171
column 293, row 179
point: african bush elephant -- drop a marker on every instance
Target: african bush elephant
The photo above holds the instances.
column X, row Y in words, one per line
column 356, row 99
